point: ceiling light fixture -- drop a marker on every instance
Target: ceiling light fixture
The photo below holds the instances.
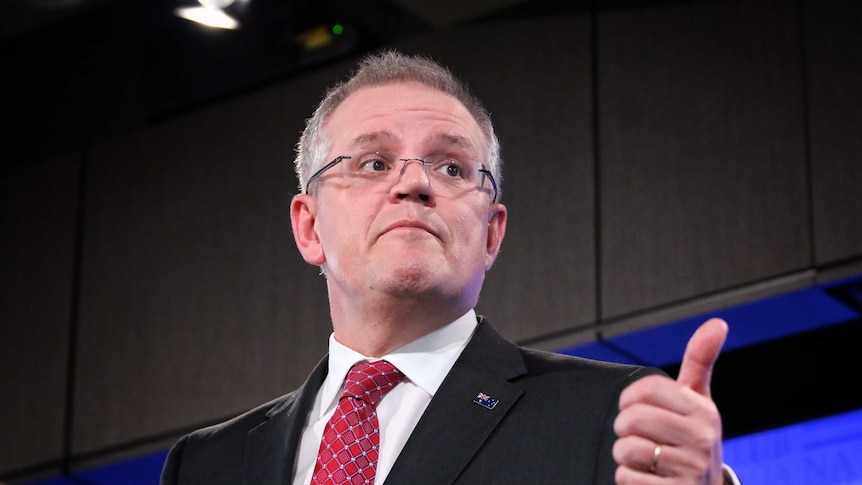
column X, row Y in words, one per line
column 212, row 13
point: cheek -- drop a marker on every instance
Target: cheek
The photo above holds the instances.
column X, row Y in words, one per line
column 470, row 229
column 341, row 237
column 343, row 227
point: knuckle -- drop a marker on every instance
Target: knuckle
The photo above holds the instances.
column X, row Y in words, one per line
column 622, row 451
column 628, row 421
column 621, row 476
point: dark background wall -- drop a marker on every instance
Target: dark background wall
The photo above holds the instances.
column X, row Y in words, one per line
column 662, row 160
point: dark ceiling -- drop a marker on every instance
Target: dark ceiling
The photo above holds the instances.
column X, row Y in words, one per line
column 79, row 70
column 76, row 70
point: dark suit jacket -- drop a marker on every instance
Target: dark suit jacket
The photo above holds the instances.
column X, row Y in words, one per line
column 552, row 424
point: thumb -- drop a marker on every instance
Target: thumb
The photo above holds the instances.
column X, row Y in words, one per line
column 700, row 355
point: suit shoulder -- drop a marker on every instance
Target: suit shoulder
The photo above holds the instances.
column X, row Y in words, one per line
column 242, row 423
column 214, row 455
column 538, row 365
column 582, row 386
column 541, row 362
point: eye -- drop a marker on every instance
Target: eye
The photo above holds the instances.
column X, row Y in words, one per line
column 373, row 164
column 451, row 168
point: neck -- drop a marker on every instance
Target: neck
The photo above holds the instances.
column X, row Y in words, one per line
column 379, row 327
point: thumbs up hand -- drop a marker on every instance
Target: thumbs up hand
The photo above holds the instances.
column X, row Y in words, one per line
column 670, row 431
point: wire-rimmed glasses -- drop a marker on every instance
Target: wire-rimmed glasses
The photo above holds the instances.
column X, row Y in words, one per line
column 449, row 176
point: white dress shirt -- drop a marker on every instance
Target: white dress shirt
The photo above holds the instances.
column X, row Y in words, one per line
column 425, row 362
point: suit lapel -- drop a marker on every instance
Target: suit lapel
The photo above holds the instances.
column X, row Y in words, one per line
column 271, row 447
column 454, row 427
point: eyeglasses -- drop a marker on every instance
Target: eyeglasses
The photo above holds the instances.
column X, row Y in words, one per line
column 450, row 176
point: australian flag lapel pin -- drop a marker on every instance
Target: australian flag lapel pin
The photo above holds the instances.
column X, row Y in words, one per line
column 485, row 400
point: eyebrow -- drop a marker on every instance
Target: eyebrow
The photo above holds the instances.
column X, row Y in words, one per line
column 456, row 141
column 377, row 137
column 373, row 138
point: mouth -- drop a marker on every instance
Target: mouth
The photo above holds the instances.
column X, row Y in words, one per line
column 409, row 225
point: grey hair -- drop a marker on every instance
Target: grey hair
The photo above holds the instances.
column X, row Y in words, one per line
column 384, row 68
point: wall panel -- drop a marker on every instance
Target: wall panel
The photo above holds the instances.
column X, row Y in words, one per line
column 702, row 152
column 833, row 43
column 38, row 212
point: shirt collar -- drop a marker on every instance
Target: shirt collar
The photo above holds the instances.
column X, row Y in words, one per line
column 425, row 361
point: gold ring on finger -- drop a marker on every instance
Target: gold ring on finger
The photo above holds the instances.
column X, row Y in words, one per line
column 655, row 455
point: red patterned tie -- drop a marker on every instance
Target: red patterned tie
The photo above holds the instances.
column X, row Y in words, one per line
column 348, row 449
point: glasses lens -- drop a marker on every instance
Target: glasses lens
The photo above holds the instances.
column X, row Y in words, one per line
column 450, row 177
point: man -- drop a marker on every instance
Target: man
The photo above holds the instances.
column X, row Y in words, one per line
column 399, row 170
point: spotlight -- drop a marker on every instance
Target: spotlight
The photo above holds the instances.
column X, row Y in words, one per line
column 214, row 13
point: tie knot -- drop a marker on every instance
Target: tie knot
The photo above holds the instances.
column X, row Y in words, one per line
column 370, row 381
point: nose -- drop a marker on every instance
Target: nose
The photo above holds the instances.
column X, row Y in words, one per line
column 413, row 182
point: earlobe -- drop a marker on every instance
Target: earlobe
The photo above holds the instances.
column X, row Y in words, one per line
column 303, row 218
column 496, row 231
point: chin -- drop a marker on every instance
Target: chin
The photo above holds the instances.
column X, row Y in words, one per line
column 411, row 280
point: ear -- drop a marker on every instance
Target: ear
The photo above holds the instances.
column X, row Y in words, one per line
column 303, row 219
column 496, row 231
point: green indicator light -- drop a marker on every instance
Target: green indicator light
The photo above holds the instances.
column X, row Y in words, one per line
column 337, row 29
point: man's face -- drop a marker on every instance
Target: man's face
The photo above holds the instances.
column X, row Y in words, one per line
column 408, row 238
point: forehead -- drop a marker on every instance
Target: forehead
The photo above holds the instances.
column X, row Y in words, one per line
column 402, row 113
